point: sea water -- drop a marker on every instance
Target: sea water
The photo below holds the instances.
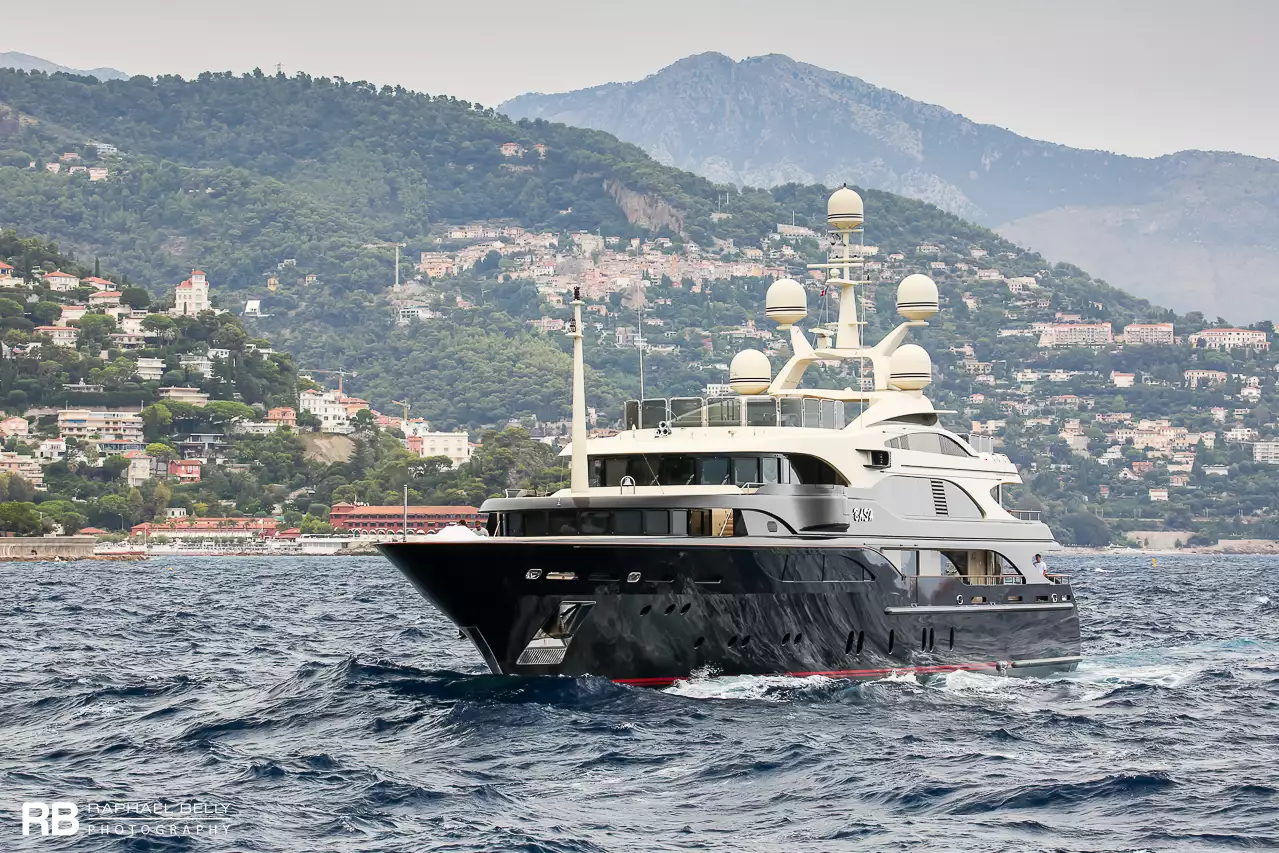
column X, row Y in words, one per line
column 321, row 704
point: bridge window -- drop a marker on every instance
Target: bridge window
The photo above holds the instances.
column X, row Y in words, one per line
column 746, row 469
column 656, row 469
column 929, row 442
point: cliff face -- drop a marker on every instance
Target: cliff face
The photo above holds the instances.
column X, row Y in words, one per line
column 1184, row 229
column 646, row 211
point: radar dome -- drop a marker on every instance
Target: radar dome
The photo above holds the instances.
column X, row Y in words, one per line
column 844, row 210
column 911, row 368
column 786, row 303
column 750, row 372
column 917, row 297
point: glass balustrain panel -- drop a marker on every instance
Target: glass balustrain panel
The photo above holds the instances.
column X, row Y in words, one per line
column 631, row 414
column 812, row 413
column 828, row 414
column 761, row 411
column 791, row 411
column 654, row 412
column 687, row 411
column 724, row 411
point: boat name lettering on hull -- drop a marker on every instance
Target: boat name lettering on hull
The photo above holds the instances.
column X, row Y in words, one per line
column 863, row 514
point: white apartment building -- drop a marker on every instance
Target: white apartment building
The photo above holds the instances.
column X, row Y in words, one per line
column 1156, row 334
column 150, row 369
column 327, row 408
column 181, row 394
column 1266, row 451
column 192, row 296
column 1231, row 339
column 1076, row 335
column 105, row 425
column 455, row 445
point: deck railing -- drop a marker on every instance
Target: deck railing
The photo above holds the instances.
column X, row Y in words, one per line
column 1025, row 514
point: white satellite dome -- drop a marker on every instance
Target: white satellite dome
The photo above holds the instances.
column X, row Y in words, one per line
column 750, row 372
column 844, row 210
column 786, row 302
column 917, row 297
column 911, row 369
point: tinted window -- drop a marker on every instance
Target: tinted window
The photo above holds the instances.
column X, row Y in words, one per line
column 643, row 469
column 631, row 414
column 714, row 471
column 534, row 524
column 687, row 411
column 841, row 567
column 563, row 523
column 514, row 523
column 745, row 470
column 679, row 522
column 950, row 447
column 657, row 522
column 595, row 523
column 925, row 442
column 771, row 471
column 679, row 471
column 614, row 470
column 627, row 522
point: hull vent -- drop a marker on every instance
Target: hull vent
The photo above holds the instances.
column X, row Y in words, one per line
column 939, row 498
column 550, row 643
column 543, row 653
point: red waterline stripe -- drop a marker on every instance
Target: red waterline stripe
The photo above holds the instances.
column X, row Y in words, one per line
column 839, row 673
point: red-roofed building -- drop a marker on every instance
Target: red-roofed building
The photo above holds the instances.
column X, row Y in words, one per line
column 104, row 298
column 192, row 295
column 186, row 470
column 390, row 519
column 63, row 336
column 92, row 531
column 210, row 528
column 100, row 283
column 283, row 416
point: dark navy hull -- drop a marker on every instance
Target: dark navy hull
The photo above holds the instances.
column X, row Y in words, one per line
column 654, row 611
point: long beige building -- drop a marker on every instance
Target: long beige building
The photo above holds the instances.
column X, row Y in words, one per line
column 108, row 425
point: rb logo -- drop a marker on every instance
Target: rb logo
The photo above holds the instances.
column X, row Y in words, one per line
column 53, row 818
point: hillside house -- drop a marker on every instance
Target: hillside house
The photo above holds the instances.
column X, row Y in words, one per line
column 61, row 282
column 1148, row 334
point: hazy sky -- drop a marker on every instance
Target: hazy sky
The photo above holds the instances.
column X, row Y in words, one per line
column 1134, row 76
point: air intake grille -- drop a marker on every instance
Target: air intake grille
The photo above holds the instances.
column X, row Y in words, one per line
column 939, row 498
column 542, row 655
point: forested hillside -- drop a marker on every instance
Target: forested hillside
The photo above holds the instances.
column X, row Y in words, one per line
column 234, row 174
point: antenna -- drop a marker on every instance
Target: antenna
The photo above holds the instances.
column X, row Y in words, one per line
column 639, row 341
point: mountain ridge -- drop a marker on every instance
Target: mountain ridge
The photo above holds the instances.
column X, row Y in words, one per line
column 27, row 62
column 1192, row 228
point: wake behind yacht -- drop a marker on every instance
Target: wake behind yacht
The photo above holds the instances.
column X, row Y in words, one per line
column 781, row 529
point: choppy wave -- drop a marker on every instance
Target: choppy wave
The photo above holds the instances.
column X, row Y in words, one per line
column 331, row 709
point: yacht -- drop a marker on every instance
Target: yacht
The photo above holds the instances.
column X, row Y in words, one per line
column 779, row 529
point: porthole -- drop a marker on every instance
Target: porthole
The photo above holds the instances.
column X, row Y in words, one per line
column 697, row 644
column 772, row 527
column 861, row 638
column 669, row 610
column 799, row 637
column 892, row 639
column 952, row 638
column 685, row 608
column 746, row 641
column 646, row 609
column 732, row 641
column 932, row 639
column 785, row 638
column 923, row 640
column 852, row 640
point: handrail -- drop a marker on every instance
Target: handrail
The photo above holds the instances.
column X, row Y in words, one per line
column 1025, row 514
column 991, row 580
column 1057, row 578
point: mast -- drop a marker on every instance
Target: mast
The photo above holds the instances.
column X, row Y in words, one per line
column 578, row 480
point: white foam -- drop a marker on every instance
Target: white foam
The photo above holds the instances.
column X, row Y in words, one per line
column 772, row 688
